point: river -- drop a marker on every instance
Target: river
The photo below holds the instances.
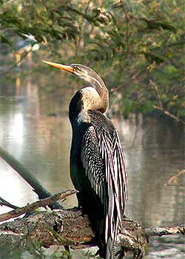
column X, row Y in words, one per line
column 35, row 129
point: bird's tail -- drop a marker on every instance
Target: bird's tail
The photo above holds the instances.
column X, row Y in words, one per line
column 110, row 253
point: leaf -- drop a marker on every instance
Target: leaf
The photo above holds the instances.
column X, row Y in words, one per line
column 154, row 24
column 152, row 57
column 4, row 39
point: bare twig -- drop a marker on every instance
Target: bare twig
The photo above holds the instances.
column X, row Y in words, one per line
column 160, row 106
column 174, row 179
column 157, row 92
column 133, row 77
column 169, row 114
column 6, row 203
column 31, row 207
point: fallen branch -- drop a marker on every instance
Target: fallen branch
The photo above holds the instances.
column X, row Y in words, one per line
column 64, row 228
column 28, row 177
column 72, row 228
column 31, row 207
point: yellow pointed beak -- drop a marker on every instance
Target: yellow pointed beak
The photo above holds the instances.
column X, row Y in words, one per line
column 66, row 68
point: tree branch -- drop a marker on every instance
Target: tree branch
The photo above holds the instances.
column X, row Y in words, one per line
column 169, row 114
column 28, row 177
column 6, row 203
column 31, row 207
column 72, row 227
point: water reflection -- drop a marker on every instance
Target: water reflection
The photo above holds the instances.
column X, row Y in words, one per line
column 155, row 151
column 17, row 128
column 35, row 129
column 38, row 136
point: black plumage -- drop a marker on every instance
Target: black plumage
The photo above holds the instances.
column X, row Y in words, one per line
column 96, row 162
column 98, row 172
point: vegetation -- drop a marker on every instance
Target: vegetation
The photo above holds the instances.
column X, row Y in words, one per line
column 137, row 45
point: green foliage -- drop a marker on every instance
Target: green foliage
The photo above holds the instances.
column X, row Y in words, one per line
column 139, row 46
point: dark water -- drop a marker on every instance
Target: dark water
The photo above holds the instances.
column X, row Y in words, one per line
column 35, row 129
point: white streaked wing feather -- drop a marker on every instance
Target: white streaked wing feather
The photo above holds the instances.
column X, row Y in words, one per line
column 103, row 161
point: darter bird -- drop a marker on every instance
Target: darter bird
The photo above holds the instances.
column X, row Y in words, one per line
column 97, row 164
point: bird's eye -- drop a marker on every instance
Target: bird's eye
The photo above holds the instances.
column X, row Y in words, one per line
column 76, row 69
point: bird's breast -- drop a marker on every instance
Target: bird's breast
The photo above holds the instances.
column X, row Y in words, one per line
column 83, row 117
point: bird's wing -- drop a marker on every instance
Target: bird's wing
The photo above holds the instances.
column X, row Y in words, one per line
column 104, row 164
column 92, row 162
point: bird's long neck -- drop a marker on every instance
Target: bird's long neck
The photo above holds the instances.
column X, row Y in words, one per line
column 103, row 95
column 93, row 97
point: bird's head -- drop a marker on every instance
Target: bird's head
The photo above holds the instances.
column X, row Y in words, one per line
column 88, row 75
column 81, row 71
